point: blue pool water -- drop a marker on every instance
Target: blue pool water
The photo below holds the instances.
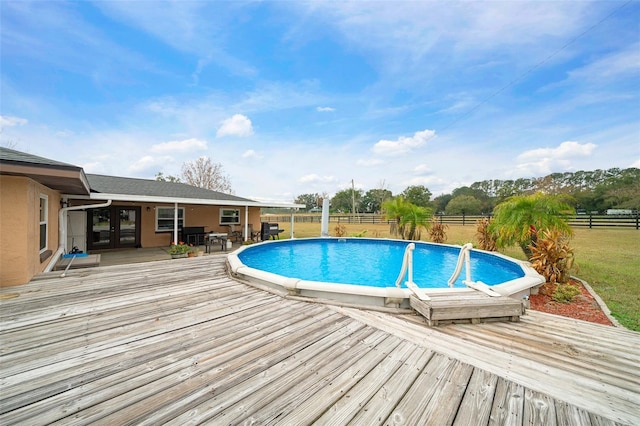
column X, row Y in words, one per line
column 373, row 262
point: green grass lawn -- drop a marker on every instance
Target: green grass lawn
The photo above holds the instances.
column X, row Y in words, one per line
column 607, row 259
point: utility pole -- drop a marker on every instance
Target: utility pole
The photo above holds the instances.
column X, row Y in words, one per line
column 353, row 198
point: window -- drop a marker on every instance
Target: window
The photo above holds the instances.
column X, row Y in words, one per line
column 229, row 216
column 164, row 218
column 44, row 222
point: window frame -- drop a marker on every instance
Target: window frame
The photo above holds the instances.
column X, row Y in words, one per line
column 43, row 220
column 235, row 215
column 181, row 220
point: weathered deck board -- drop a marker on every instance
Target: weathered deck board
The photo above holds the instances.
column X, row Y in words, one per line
column 179, row 342
column 254, row 393
column 475, row 407
column 344, row 409
column 585, row 388
column 299, row 404
column 475, row 307
column 379, row 408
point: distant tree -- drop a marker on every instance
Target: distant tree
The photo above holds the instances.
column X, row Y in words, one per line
column 622, row 189
column 372, row 200
column 464, row 204
column 417, row 194
column 309, row 200
column 440, row 202
column 206, row 174
column 342, row 201
column 162, row 178
column 486, row 202
column 518, row 220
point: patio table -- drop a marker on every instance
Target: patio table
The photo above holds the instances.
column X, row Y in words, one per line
column 215, row 237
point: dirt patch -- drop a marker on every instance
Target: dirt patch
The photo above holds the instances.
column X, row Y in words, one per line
column 583, row 307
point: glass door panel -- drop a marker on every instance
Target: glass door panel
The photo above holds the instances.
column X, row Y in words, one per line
column 100, row 226
column 126, row 229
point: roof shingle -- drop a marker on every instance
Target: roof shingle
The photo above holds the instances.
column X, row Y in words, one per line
column 133, row 186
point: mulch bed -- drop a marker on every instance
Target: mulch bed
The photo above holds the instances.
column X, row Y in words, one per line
column 583, row 307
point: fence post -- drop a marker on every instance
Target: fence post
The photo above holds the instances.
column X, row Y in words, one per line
column 590, row 221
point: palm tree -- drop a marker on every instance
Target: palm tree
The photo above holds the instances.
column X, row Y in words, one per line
column 415, row 219
column 518, row 219
column 394, row 209
column 409, row 217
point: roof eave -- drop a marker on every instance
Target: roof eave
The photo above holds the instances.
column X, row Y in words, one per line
column 180, row 200
column 57, row 177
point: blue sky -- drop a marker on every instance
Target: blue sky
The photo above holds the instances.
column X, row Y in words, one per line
column 303, row 97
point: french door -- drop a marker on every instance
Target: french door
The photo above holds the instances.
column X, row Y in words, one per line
column 113, row 227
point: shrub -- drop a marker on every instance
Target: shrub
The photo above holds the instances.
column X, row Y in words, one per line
column 552, row 257
column 564, row 293
column 437, row 232
column 486, row 239
column 340, row 230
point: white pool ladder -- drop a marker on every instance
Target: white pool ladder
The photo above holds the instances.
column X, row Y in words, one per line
column 407, row 270
column 464, row 259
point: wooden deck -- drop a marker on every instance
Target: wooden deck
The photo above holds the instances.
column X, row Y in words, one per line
column 179, row 342
column 474, row 307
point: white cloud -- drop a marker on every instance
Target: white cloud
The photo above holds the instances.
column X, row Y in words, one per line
column 403, row 144
column 542, row 161
column 314, row 178
column 64, row 133
column 422, row 169
column 180, row 146
column 148, row 163
column 9, row 121
column 422, row 180
column 325, row 109
column 250, row 153
column 565, row 150
column 621, row 63
column 369, row 162
column 238, row 125
column 95, row 167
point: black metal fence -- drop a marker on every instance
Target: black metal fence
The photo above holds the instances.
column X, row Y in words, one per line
column 581, row 220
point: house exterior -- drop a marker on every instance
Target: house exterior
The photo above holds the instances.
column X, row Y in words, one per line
column 48, row 207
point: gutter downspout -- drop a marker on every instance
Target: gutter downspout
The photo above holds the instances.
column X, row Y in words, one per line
column 62, row 230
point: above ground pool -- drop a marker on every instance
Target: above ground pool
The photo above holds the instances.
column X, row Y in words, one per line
column 364, row 271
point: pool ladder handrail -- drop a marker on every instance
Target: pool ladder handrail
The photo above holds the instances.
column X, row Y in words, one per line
column 407, row 270
column 464, row 258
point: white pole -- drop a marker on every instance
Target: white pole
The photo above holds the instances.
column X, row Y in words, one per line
column 175, row 223
column 246, row 223
column 353, row 198
column 324, row 229
column 291, row 233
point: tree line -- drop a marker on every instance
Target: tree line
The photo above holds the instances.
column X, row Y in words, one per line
column 586, row 191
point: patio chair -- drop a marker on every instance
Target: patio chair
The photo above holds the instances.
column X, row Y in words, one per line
column 253, row 235
column 235, row 234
